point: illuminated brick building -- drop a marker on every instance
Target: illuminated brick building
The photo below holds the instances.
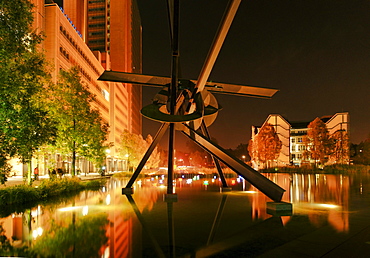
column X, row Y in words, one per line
column 96, row 35
column 291, row 135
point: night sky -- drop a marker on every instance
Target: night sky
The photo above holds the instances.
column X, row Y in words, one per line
column 317, row 53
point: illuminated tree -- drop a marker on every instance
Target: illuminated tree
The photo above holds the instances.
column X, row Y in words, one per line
column 80, row 126
column 197, row 154
column 133, row 148
column 318, row 142
column 340, row 149
column 153, row 161
column 25, row 125
column 266, row 146
column 197, row 158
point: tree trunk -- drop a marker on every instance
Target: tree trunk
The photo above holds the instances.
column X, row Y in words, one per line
column 73, row 168
column 29, row 174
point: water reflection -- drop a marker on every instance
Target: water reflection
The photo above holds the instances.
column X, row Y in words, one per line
column 109, row 224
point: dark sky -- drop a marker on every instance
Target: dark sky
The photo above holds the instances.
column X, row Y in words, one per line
column 317, row 53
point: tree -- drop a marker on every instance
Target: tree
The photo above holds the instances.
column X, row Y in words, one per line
column 25, row 125
column 362, row 152
column 241, row 152
column 266, row 145
column 318, row 142
column 133, row 148
column 154, row 159
column 340, row 151
column 80, row 126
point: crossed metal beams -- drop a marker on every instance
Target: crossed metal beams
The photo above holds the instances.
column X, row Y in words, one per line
column 196, row 109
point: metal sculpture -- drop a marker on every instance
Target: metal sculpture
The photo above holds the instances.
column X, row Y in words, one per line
column 190, row 106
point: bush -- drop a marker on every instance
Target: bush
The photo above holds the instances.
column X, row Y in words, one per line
column 18, row 194
column 21, row 194
column 94, row 184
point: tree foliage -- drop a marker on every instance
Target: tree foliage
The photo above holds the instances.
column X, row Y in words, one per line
column 318, row 142
column 361, row 153
column 266, row 146
column 340, row 147
column 133, row 148
column 25, row 125
column 80, row 126
column 241, row 152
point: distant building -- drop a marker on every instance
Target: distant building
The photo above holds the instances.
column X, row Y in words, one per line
column 291, row 134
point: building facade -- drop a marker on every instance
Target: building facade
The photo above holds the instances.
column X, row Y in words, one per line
column 291, row 135
column 96, row 35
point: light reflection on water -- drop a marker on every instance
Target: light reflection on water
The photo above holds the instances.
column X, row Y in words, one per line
column 145, row 226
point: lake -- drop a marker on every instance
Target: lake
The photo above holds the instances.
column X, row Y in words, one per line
column 203, row 222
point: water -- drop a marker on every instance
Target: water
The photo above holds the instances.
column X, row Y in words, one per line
column 202, row 223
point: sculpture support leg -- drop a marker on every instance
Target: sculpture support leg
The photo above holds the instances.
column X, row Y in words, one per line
column 215, row 160
column 269, row 188
column 170, row 159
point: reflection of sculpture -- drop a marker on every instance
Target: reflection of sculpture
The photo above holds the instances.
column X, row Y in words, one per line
column 189, row 106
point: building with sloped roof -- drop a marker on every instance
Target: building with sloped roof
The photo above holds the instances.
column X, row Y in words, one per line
column 292, row 133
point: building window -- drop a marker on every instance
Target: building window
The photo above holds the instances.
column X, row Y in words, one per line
column 299, row 139
column 293, row 140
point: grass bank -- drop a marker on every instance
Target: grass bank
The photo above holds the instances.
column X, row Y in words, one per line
column 21, row 194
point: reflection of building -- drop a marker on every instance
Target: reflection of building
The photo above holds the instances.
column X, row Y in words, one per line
column 312, row 195
column 94, row 36
column 291, row 134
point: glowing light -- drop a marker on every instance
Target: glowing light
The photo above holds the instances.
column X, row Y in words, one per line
column 189, row 181
column 330, row 206
column 37, row 232
column 162, row 186
column 107, row 199
column 85, row 210
column 233, row 182
column 250, row 192
column 69, row 208
column 180, row 179
column 206, row 182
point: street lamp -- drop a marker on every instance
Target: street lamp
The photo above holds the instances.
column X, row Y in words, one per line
column 243, row 157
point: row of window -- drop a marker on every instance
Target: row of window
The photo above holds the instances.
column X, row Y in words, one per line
column 299, row 139
column 78, row 49
column 97, row 9
column 97, row 33
column 298, row 147
column 96, row 1
column 97, row 17
column 296, row 156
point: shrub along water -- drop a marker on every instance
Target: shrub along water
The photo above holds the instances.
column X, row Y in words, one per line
column 21, row 194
